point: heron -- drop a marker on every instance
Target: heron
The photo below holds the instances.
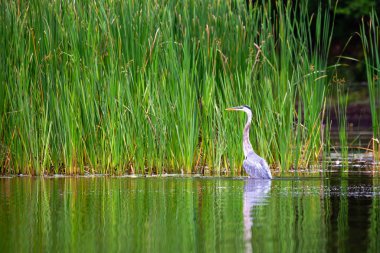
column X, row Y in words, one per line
column 254, row 165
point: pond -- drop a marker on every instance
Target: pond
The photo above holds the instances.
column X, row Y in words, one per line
column 187, row 214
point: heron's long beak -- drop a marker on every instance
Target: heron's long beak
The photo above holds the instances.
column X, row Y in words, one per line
column 232, row 109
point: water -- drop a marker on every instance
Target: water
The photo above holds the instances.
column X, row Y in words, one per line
column 337, row 213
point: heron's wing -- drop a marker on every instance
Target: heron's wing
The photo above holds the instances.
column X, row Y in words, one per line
column 252, row 168
column 256, row 167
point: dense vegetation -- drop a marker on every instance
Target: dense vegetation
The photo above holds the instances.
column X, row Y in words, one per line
column 141, row 87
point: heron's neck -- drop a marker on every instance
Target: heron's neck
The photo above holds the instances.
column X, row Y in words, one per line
column 246, row 143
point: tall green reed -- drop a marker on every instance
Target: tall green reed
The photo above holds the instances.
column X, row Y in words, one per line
column 109, row 87
column 370, row 36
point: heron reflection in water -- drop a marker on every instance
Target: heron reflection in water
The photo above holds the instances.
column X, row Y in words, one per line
column 256, row 192
column 254, row 165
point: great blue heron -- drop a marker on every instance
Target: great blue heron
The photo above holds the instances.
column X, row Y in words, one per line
column 254, row 165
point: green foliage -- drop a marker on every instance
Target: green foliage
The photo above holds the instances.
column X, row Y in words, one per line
column 355, row 9
column 370, row 36
column 112, row 87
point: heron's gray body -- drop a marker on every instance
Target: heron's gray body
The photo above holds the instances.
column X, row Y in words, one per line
column 254, row 165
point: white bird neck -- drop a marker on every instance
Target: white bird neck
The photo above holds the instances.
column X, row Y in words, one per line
column 246, row 143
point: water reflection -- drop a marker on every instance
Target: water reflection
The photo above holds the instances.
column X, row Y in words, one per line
column 339, row 213
column 255, row 194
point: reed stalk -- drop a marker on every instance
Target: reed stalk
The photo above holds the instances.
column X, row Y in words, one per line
column 370, row 36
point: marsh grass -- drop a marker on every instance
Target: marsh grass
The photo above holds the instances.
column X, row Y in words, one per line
column 370, row 36
column 138, row 87
column 341, row 110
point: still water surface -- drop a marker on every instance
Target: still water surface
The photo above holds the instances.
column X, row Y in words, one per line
column 190, row 214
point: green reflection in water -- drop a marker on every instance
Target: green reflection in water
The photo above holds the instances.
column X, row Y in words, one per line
column 343, row 215
column 374, row 229
column 186, row 215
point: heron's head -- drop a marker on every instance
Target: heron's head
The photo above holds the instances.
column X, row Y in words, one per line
column 244, row 108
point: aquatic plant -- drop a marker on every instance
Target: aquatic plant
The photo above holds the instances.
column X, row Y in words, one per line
column 112, row 87
column 341, row 111
column 370, row 36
